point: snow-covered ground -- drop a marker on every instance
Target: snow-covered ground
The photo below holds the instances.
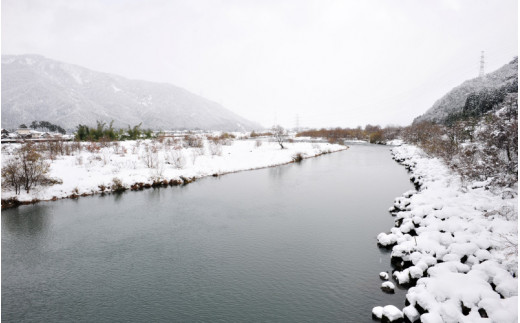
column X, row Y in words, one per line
column 147, row 162
column 456, row 243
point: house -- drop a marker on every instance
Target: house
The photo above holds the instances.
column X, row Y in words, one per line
column 23, row 132
column 36, row 134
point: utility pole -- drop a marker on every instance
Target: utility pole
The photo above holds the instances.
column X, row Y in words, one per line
column 481, row 74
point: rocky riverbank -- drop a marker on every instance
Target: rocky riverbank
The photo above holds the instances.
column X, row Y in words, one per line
column 454, row 244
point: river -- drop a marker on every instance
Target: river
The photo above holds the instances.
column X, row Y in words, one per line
column 294, row 243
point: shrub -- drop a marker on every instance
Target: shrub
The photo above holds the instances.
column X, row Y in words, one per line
column 298, row 157
column 176, row 158
column 376, row 137
column 150, row 157
column 256, row 134
column 93, row 147
column 215, row 149
column 195, row 153
column 193, row 141
column 117, row 185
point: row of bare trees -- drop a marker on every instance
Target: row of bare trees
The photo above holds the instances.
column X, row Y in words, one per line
column 372, row 133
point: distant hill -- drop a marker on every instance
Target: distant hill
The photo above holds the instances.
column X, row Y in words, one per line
column 37, row 88
column 491, row 88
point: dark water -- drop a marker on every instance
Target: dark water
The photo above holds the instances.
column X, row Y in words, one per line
column 288, row 244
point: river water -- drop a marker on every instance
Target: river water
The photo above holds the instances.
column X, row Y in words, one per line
column 295, row 243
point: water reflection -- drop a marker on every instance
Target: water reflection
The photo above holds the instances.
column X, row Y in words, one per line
column 278, row 172
column 118, row 196
column 31, row 220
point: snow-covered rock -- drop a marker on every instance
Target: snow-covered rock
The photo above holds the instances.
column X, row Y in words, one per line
column 377, row 312
column 411, row 314
column 388, row 287
column 391, row 314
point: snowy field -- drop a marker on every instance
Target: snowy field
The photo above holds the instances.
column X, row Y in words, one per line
column 97, row 168
column 456, row 243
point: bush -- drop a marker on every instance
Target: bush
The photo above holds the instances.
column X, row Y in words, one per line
column 376, row 137
column 117, row 185
column 215, row 149
column 298, row 157
column 264, row 134
column 176, row 158
column 193, row 141
column 150, row 156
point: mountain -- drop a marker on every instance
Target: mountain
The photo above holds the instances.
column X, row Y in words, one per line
column 503, row 80
column 37, row 88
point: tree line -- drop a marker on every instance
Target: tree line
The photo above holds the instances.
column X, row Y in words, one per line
column 104, row 132
column 43, row 125
column 373, row 133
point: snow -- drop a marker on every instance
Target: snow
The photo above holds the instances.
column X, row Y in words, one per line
column 87, row 172
column 383, row 275
column 463, row 246
column 431, row 318
column 392, row 313
column 394, row 142
column 29, row 61
column 115, row 88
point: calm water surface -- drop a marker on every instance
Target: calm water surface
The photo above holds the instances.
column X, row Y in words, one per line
column 294, row 243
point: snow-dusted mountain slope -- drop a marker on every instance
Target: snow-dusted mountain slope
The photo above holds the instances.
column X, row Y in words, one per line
column 37, row 88
column 454, row 101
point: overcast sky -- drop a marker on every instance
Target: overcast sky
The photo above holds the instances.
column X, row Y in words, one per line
column 327, row 63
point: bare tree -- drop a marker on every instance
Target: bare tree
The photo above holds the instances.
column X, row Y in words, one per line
column 12, row 175
column 176, row 158
column 150, row 156
column 27, row 169
column 279, row 134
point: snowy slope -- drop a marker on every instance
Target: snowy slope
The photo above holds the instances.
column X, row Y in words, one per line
column 455, row 99
column 37, row 88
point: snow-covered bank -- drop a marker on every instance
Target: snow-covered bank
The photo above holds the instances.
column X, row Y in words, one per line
column 97, row 168
column 456, row 243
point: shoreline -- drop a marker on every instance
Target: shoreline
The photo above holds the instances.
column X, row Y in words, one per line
column 450, row 246
column 13, row 202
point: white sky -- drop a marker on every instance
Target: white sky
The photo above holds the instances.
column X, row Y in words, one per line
column 332, row 63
